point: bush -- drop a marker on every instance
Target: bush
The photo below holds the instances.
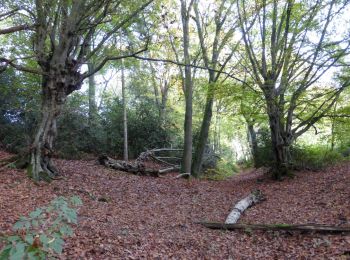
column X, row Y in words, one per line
column 40, row 235
column 224, row 169
column 264, row 155
column 314, row 158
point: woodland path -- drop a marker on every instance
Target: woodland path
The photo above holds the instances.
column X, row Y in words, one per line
column 134, row 217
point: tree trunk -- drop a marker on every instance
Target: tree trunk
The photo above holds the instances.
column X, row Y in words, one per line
column 187, row 82
column 41, row 166
column 253, row 144
column 162, row 110
column 187, row 154
column 280, row 147
column 280, row 140
column 92, row 98
column 125, row 117
column 204, row 133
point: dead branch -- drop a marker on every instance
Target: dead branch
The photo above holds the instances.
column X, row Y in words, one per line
column 278, row 227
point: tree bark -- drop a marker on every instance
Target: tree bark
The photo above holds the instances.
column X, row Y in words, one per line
column 280, row 137
column 242, row 205
column 204, row 133
column 278, row 227
column 253, row 144
column 92, row 97
column 280, row 148
column 187, row 81
column 41, row 166
column 137, row 167
column 125, row 118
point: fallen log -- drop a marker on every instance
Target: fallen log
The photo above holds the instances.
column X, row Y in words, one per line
column 277, row 227
column 137, row 168
column 166, row 170
column 185, row 175
column 253, row 198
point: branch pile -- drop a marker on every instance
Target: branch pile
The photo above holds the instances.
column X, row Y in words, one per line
column 137, row 167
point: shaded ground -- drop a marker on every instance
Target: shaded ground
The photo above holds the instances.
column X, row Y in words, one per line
column 153, row 218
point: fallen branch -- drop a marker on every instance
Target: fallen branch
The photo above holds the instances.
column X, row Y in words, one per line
column 253, row 198
column 166, row 170
column 137, row 167
column 286, row 227
column 162, row 161
column 185, row 175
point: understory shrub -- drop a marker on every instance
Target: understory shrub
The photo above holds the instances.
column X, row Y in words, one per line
column 40, row 235
column 224, row 169
column 314, row 158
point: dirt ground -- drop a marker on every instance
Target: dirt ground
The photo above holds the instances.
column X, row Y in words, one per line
column 133, row 217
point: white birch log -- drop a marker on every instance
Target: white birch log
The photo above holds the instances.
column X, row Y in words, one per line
column 242, row 205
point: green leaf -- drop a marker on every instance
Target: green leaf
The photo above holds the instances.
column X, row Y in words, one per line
column 13, row 238
column 19, row 225
column 57, row 245
column 65, row 230
column 76, row 201
column 29, row 239
column 36, row 213
column 35, row 223
column 18, row 252
column 44, row 239
column 5, row 253
column 71, row 216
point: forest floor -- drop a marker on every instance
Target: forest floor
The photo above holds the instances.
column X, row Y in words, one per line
column 154, row 218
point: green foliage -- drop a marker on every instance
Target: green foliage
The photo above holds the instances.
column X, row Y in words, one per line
column 40, row 235
column 264, row 155
column 19, row 109
column 314, row 158
column 223, row 170
column 144, row 128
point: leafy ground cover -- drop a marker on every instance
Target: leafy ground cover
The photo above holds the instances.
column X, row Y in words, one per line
column 132, row 217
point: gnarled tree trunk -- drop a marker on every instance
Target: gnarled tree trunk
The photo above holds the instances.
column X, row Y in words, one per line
column 55, row 88
column 279, row 139
column 41, row 165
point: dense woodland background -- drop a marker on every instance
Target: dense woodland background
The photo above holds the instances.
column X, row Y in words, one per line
column 231, row 82
column 259, row 87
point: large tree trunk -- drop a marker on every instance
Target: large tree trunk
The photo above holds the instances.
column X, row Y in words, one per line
column 41, row 166
column 188, row 83
column 204, row 133
column 279, row 143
